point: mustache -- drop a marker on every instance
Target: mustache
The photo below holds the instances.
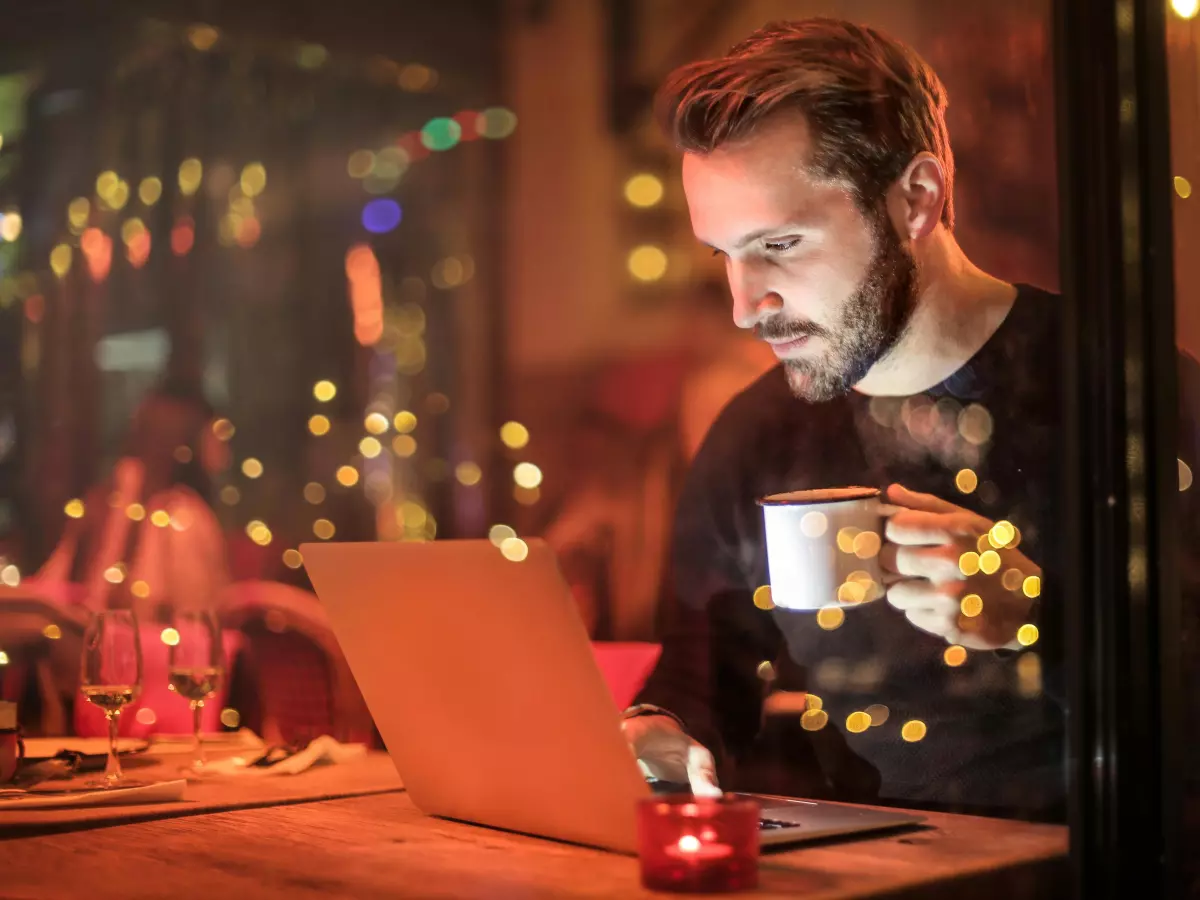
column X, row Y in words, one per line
column 780, row 330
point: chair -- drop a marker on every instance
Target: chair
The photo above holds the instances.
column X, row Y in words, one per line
column 294, row 683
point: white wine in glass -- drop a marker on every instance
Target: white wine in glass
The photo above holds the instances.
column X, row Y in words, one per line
column 197, row 667
column 111, row 675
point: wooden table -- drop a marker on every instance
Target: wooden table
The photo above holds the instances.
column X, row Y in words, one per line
column 377, row 845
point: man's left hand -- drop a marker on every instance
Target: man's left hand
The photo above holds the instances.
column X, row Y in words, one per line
column 926, row 550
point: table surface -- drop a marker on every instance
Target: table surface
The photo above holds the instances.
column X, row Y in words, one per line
column 378, row 845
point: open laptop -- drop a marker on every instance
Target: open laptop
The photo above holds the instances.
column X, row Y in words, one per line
column 482, row 682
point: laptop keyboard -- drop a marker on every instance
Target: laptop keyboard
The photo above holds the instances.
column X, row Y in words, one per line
column 772, row 824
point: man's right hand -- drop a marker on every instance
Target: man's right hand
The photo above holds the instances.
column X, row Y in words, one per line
column 667, row 753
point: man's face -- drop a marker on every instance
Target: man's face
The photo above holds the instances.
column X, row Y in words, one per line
column 829, row 289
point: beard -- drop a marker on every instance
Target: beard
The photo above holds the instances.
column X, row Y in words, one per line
column 872, row 320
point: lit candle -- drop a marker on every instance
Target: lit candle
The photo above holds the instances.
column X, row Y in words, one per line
column 698, row 844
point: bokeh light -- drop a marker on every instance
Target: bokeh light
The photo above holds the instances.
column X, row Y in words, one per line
column 527, row 475
column 514, row 435
column 223, row 429
column 1185, row 9
column 498, row 534
column 74, row 508
column 10, row 226
column 60, row 260
column 858, row 722
column 318, row 425
column 971, row 605
column 913, row 730
column 314, row 493
column 169, row 636
column 966, row 481
column 381, row 215
column 1027, row 635
column 830, row 617
column 404, row 421
column 814, row 720
column 324, row 529
column 762, row 597
column 202, row 37
column 254, row 179
column 360, row 163
column 251, row 467
column 468, row 473
column 955, row 656
column 324, row 391
column 376, row 423
column 370, row 447
column 514, row 549
column 496, row 123
column 647, row 263
column 191, row 171
column 293, row 559
column 441, row 134
column 78, row 211
column 150, row 190
column 1183, row 187
column 644, row 190
column 347, row 476
column 404, row 445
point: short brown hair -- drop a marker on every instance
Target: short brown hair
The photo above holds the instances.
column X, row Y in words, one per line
column 871, row 103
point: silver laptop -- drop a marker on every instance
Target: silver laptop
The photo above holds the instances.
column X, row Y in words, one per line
column 481, row 678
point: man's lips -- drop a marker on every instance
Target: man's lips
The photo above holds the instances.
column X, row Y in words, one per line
column 787, row 345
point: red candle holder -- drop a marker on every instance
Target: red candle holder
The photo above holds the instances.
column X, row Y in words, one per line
column 698, row 844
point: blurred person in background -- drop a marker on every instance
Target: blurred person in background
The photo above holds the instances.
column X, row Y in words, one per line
column 147, row 540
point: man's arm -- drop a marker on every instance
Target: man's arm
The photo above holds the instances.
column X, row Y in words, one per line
column 713, row 636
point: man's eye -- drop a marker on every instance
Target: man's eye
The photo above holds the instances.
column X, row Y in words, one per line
column 781, row 246
column 717, row 252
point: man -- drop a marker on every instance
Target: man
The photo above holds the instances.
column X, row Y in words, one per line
column 818, row 166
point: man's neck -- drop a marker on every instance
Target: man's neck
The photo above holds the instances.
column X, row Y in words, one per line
column 958, row 309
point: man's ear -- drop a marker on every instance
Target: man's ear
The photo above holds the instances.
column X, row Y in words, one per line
column 916, row 199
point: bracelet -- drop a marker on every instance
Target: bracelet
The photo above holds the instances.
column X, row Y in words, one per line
column 649, row 709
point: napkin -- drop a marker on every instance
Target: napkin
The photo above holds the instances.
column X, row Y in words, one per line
column 156, row 792
column 320, row 750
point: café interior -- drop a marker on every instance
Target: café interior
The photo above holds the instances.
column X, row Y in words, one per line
column 423, row 277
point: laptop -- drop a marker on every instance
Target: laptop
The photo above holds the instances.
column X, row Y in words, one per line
column 482, row 682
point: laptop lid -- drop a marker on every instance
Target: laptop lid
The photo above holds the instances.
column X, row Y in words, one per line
column 468, row 662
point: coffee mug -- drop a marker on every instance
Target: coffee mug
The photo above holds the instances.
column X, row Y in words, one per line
column 12, row 749
column 823, row 547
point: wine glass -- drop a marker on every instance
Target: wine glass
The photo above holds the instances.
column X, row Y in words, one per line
column 196, row 666
column 111, row 675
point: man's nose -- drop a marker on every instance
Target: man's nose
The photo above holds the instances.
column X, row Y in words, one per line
column 753, row 300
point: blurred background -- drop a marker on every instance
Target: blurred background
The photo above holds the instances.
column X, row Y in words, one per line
column 395, row 271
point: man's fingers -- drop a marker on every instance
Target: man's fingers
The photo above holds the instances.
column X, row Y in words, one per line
column 938, row 564
column 959, row 521
column 902, row 496
column 702, row 771
column 918, row 527
column 918, row 593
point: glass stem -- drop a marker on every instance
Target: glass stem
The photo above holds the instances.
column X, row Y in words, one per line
column 197, row 746
column 112, row 767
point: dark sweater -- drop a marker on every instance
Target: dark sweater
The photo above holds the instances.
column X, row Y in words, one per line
column 995, row 734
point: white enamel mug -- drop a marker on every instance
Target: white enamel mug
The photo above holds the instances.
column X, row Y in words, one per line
column 823, row 547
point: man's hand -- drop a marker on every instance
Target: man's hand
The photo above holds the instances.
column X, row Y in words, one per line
column 941, row 592
column 665, row 751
